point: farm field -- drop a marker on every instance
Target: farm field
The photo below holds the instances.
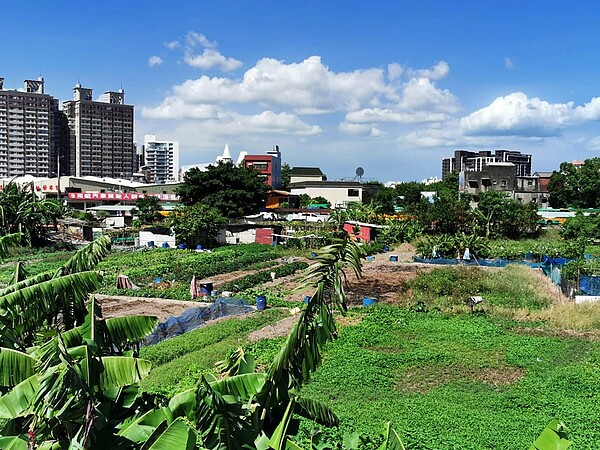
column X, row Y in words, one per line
column 458, row 381
column 445, row 378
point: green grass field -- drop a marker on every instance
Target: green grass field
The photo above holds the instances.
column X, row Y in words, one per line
column 459, row 381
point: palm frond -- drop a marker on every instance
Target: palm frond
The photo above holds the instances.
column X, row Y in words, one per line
column 19, row 399
column 12, row 287
column 14, row 367
column 28, row 308
column 86, row 258
column 19, row 274
column 130, row 329
column 317, row 411
column 9, row 240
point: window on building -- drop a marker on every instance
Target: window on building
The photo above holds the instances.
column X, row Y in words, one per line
column 503, row 183
column 486, row 182
column 473, row 184
column 261, row 165
column 353, row 193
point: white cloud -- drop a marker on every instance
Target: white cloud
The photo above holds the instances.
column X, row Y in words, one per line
column 194, row 39
column 589, row 111
column 508, row 63
column 155, row 61
column 211, row 58
column 354, row 128
column 308, row 87
column 395, row 71
column 172, row 45
column 437, row 72
column 419, row 100
column 518, row 115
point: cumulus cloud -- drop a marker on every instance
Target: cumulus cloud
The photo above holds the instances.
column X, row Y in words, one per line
column 172, row 45
column 215, row 119
column 419, row 100
column 508, row 63
column 194, row 39
column 307, row 87
column 437, row 72
column 211, row 58
column 155, row 61
column 518, row 115
column 395, row 71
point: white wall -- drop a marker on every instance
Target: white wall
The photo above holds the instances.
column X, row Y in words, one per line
column 146, row 236
column 300, row 178
column 338, row 196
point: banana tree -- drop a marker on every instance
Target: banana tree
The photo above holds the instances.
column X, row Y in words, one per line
column 243, row 408
column 53, row 301
column 22, row 210
column 73, row 390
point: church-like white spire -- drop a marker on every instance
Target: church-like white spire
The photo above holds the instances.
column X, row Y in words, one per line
column 226, row 156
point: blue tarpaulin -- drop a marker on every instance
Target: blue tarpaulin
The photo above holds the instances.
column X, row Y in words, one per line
column 589, row 285
column 196, row 317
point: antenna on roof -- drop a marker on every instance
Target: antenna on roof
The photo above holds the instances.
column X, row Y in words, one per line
column 359, row 173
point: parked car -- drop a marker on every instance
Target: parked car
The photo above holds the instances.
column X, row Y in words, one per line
column 307, row 217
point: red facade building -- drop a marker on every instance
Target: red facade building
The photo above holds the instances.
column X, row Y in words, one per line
column 269, row 166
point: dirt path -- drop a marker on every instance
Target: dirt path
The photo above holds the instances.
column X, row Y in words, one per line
column 119, row 306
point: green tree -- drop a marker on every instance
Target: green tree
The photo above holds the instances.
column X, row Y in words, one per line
column 572, row 187
column 499, row 215
column 285, row 176
column 409, row 193
column 582, row 226
column 385, row 200
column 147, row 209
column 305, row 200
column 196, row 224
column 319, row 200
column 22, row 211
column 233, row 190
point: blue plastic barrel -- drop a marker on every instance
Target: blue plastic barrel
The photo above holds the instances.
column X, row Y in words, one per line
column 313, row 255
column 261, row 302
column 370, row 258
column 182, row 246
column 165, row 245
column 386, row 248
column 368, row 301
column 199, row 247
column 150, row 243
column 307, row 299
column 393, row 258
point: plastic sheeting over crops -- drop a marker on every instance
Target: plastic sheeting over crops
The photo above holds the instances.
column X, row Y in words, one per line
column 196, row 317
column 477, row 262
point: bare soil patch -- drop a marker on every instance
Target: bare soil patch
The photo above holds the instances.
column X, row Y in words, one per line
column 426, row 378
column 278, row 329
column 119, row 306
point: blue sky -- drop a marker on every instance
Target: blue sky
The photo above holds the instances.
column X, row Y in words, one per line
column 392, row 86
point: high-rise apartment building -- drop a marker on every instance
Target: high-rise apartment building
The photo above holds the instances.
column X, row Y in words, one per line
column 30, row 131
column 468, row 161
column 101, row 134
column 161, row 159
